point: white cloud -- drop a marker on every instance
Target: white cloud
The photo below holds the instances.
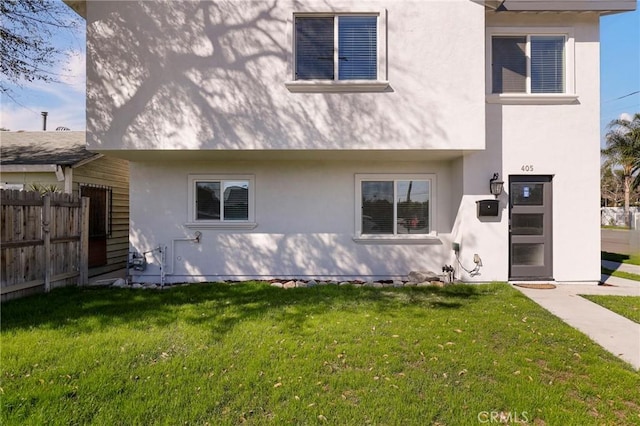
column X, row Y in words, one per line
column 73, row 72
column 626, row 116
column 65, row 101
column 63, row 112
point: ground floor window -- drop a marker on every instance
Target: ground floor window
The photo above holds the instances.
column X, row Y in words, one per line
column 221, row 199
column 394, row 205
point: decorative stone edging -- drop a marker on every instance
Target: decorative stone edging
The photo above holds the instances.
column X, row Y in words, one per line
column 374, row 284
column 415, row 279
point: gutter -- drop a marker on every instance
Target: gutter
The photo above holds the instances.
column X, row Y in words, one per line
column 28, row 168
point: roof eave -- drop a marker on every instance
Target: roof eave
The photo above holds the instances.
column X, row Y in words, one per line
column 79, row 6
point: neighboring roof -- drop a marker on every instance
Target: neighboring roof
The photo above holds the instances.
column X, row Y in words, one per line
column 59, row 148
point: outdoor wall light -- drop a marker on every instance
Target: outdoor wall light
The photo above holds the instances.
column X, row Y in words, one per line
column 496, row 185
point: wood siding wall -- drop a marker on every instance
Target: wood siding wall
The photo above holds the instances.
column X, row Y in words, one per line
column 114, row 173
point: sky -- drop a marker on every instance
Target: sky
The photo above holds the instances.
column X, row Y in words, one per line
column 619, row 66
column 65, row 101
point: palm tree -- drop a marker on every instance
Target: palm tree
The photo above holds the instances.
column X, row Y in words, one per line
column 623, row 150
column 635, row 170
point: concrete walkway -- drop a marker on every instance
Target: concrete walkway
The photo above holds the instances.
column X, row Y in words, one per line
column 615, row 333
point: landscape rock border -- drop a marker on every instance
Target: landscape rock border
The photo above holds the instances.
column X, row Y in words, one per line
column 415, row 279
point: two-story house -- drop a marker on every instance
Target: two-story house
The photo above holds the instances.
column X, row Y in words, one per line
column 353, row 139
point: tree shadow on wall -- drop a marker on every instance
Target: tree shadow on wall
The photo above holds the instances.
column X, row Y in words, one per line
column 191, row 75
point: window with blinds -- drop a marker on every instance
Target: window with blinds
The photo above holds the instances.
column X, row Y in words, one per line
column 547, row 64
column 222, row 200
column 528, row 64
column 351, row 55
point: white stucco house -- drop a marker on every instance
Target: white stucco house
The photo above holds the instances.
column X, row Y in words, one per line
column 353, row 139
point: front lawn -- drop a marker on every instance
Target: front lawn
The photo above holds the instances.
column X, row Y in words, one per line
column 229, row 354
column 619, row 274
column 631, row 259
column 627, row 306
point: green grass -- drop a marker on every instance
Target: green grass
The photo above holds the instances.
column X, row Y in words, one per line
column 622, row 228
column 627, row 306
column 633, row 259
column 227, row 354
column 619, row 274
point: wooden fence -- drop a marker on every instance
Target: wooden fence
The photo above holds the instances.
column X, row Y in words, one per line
column 44, row 242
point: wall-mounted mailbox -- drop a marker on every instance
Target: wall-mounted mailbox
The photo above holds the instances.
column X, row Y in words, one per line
column 488, row 207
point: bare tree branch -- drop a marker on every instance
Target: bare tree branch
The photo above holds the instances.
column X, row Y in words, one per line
column 27, row 51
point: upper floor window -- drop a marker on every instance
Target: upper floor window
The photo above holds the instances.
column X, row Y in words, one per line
column 531, row 62
column 341, row 47
column 338, row 52
column 528, row 64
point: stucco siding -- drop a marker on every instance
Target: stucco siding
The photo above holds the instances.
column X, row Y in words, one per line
column 305, row 213
column 557, row 140
column 215, row 97
column 218, row 83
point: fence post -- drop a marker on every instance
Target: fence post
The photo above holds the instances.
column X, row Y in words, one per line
column 46, row 221
column 84, row 242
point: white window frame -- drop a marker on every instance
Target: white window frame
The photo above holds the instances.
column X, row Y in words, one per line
column 568, row 97
column 310, row 86
column 194, row 223
column 431, row 237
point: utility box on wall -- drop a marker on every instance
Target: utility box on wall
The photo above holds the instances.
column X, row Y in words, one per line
column 488, row 207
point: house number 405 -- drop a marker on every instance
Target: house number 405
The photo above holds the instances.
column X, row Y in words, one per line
column 527, row 168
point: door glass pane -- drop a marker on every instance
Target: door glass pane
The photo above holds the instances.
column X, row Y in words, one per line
column 236, row 200
column 527, row 254
column 377, row 207
column 527, row 194
column 208, row 200
column 413, row 207
column 527, row 224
